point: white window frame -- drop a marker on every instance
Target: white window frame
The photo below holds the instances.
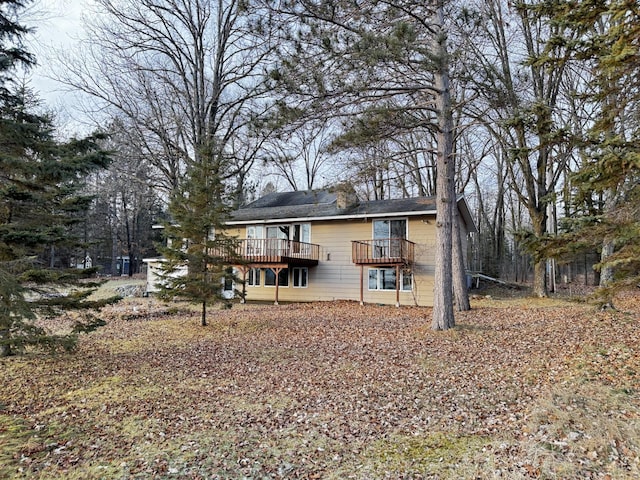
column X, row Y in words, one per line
column 379, row 280
column 296, row 273
column 260, row 231
column 274, row 285
column 255, row 232
column 406, row 228
column 257, row 274
column 383, row 247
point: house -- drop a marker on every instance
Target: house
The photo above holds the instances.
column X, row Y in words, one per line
column 326, row 245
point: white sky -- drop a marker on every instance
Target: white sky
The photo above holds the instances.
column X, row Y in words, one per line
column 57, row 24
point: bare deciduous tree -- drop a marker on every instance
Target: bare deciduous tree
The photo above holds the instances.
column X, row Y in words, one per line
column 185, row 75
column 301, row 156
column 520, row 100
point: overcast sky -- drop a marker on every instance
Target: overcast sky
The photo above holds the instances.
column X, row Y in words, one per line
column 57, row 24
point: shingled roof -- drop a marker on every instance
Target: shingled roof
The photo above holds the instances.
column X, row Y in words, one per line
column 322, row 205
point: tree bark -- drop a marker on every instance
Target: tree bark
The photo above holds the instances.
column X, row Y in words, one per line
column 443, row 315
column 606, row 270
column 540, row 278
column 113, row 223
column 539, row 221
column 460, row 291
column 127, row 224
column 5, row 348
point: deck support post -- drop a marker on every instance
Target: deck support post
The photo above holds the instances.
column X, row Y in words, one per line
column 398, row 280
column 244, row 269
column 361, row 284
column 277, row 271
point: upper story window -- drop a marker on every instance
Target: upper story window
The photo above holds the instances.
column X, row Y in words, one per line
column 396, row 228
column 298, row 232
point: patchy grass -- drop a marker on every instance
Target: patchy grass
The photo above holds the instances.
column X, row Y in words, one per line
column 590, row 428
column 331, row 390
column 433, row 455
column 120, row 286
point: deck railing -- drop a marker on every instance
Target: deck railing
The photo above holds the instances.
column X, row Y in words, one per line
column 383, row 251
column 276, row 250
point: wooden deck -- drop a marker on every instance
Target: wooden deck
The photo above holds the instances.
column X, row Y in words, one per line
column 383, row 251
column 266, row 251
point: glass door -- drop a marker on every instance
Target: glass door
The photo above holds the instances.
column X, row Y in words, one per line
column 388, row 236
column 255, row 241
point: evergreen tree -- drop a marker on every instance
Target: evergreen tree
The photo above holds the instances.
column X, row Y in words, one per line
column 198, row 254
column 40, row 206
column 12, row 53
column 382, row 68
column 40, row 203
column 607, row 186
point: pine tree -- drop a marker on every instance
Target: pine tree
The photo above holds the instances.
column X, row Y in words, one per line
column 382, row 68
column 40, row 204
column 607, row 186
column 198, row 254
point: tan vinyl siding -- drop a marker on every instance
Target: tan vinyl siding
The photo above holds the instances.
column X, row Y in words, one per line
column 422, row 232
column 237, row 232
column 336, row 277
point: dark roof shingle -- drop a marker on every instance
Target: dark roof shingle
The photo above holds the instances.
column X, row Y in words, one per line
column 322, row 203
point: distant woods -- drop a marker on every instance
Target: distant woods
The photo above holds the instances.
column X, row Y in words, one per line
column 301, row 95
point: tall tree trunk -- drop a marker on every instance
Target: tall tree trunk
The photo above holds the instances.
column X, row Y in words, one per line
column 114, row 236
column 540, row 278
column 608, row 247
column 460, row 291
column 127, row 224
column 443, row 316
column 539, row 222
column 606, row 271
column 203, row 318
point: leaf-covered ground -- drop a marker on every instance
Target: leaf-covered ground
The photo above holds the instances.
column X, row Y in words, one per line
column 332, row 390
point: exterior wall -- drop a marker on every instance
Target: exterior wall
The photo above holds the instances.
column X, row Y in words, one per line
column 154, row 269
column 465, row 240
column 336, row 277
